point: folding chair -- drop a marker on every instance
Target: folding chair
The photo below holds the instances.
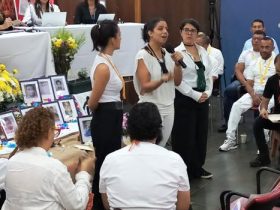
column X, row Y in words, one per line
column 266, row 201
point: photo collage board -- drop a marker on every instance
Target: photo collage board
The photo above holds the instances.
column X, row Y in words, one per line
column 52, row 93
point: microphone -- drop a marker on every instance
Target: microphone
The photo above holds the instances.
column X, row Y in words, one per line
column 170, row 49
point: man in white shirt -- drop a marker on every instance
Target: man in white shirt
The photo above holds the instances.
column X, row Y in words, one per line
column 215, row 54
column 232, row 91
column 257, row 76
column 143, row 175
column 258, row 24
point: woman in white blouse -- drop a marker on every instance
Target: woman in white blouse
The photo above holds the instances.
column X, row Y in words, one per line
column 189, row 134
column 33, row 13
column 157, row 73
column 34, row 180
column 105, row 99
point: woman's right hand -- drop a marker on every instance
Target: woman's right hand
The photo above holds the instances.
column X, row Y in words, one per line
column 166, row 77
column 7, row 23
column 264, row 113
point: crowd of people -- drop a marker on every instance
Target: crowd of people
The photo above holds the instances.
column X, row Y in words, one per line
column 174, row 87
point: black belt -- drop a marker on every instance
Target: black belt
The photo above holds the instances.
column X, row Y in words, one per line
column 118, row 105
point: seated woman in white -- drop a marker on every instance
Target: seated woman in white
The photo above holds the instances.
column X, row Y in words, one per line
column 33, row 13
column 33, row 179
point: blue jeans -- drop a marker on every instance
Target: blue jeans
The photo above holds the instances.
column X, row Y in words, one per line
column 231, row 94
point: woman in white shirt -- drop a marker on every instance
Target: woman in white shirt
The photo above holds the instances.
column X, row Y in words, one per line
column 34, row 180
column 157, row 73
column 189, row 134
column 33, row 13
column 105, row 99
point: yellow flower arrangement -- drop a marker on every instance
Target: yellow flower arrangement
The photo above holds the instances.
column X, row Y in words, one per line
column 9, row 88
column 64, row 47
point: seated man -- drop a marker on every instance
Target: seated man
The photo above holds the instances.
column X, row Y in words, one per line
column 144, row 175
column 272, row 87
column 256, row 25
column 246, row 59
column 257, row 76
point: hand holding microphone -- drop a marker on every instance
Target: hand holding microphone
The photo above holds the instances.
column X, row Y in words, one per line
column 176, row 56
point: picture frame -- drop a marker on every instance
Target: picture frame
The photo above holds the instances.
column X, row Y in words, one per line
column 25, row 109
column 30, row 91
column 9, row 124
column 85, row 129
column 59, row 85
column 68, row 109
column 46, row 89
column 54, row 107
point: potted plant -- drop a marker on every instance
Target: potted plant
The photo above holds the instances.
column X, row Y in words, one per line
column 64, row 48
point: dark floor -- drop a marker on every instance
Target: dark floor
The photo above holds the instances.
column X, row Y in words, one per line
column 230, row 169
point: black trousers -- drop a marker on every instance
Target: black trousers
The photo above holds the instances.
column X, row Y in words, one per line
column 189, row 134
column 106, row 129
column 259, row 125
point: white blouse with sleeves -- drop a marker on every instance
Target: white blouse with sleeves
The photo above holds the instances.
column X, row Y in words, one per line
column 189, row 80
column 31, row 16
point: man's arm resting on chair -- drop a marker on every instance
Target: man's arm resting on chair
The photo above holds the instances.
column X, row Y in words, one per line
column 264, row 107
column 183, row 200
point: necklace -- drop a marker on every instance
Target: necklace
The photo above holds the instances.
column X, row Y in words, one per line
column 117, row 72
column 161, row 63
column 263, row 72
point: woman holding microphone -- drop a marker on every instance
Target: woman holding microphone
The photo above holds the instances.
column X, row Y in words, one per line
column 157, row 73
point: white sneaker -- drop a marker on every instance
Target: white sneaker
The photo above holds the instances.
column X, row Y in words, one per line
column 228, row 145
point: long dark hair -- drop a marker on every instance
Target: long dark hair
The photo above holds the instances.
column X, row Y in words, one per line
column 38, row 8
column 102, row 32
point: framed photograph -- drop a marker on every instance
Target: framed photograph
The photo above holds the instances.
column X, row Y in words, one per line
column 46, row 89
column 30, row 91
column 59, row 85
column 68, row 109
column 84, row 126
column 26, row 109
column 54, row 107
column 8, row 124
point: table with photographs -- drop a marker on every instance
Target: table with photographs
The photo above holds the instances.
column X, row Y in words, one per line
column 30, row 53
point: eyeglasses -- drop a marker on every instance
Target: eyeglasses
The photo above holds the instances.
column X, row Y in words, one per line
column 191, row 31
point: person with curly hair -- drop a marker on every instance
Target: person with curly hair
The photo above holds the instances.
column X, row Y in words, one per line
column 34, row 180
column 144, row 175
column 33, row 13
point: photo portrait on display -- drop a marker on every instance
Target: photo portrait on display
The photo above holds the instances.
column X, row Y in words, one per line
column 46, row 90
column 84, row 126
column 54, row 108
column 59, row 85
column 68, row 109
column 8, row 124
column 30, row 91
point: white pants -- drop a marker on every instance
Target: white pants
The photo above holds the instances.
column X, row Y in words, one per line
column 167, row 117
column 238, row 108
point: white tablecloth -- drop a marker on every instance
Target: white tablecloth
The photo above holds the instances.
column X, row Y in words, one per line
column 30, row 53
column 131, row 43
